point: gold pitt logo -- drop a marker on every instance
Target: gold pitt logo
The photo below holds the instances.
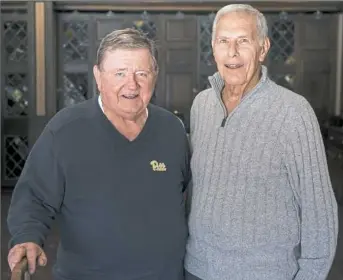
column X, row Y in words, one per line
column 158, row 166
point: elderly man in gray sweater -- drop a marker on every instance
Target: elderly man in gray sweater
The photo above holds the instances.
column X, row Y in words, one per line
column 262, row 205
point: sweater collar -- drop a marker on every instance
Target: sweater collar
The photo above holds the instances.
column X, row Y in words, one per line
column 217, row 82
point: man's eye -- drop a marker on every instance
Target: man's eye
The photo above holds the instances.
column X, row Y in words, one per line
column 222, row 41
column 142, row 74
column 243, row 40
column 119, row 74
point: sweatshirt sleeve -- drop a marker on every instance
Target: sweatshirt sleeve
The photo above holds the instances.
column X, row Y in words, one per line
column 37, row 195
column 186, row 170
column 308, row 172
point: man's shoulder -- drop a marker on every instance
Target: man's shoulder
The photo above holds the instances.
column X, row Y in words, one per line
column 165, row 117
column 205, row 94
column 291, row 101
column 71, row 114
column 204, row 97
column 295, row 108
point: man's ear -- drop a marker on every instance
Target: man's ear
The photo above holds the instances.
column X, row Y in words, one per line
column 265, row 49
column 97, row 76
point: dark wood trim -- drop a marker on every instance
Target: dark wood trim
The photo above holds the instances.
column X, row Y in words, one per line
column 2, row 88
column 189, row 5
column 341, row 96
column 31, row 32
column 92, row 31
column 13, row 5
column 180, row 5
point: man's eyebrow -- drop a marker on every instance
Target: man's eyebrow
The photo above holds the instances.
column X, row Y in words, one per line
column 143, row 69
column 228, row 37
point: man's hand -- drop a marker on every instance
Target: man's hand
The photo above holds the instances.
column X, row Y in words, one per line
column 32, row 252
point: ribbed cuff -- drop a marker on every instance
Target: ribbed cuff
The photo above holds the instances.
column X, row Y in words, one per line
column 307, row 275
column 24, row 238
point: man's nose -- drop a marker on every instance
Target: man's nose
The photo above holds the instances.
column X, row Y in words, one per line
column 132, row 82
column 232, row 49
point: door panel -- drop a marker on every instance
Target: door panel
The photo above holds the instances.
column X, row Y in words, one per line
column 317, row 90
column 316, row 34
column 105, row 26
column 179, row 57
column 183, row 29
column 177, row 84
column 316, row 67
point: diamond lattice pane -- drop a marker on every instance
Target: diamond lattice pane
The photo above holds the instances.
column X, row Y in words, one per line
column 76, row 41
column 75, row 88
column 285, row 80
column 15, row 40
column 206, row 55
column 16, row 151
column 16, row 95
column 145, row 25
column 282, row 42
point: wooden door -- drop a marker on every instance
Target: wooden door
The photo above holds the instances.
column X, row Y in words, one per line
column 178, row 64
column 317, row 62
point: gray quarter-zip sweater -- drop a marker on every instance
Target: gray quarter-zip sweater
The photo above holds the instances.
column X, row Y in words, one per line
column 262, row 202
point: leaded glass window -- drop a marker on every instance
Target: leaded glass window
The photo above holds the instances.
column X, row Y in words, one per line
column 75, row 41
column 15, row 40
column 16, row 150
column 282, row 41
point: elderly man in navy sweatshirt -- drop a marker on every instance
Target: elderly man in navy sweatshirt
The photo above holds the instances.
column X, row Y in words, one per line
column 262, row 203
column 114, row 169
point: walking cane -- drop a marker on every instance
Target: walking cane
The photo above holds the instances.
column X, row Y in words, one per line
column 21, row 271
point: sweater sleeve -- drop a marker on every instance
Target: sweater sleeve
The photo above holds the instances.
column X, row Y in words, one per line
column 37, row 195
column 309, row 176
column 193, row 120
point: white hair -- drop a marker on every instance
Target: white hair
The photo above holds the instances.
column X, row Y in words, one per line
column 261, row 22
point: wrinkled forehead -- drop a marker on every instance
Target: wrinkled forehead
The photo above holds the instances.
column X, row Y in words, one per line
column 237, row 24
column 131, row 59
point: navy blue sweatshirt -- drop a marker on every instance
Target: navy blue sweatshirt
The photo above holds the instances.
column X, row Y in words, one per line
column 120, row 204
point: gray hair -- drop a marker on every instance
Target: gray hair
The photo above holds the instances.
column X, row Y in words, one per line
column 128, row 38
column 261, row 22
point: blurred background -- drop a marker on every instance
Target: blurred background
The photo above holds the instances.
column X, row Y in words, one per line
column 48, row 50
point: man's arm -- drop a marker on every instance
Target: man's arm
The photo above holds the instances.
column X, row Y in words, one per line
column 38, row 194
column 308, row 172
column 193, row 118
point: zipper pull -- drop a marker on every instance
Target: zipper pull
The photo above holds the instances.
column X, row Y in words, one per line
column 223, row 122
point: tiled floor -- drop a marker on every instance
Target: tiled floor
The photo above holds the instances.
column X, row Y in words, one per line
column 45, row 273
